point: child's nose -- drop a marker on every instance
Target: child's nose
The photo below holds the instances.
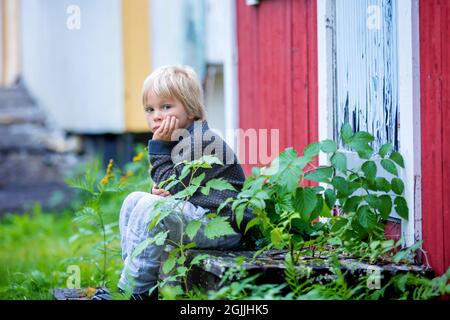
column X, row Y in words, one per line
column 157, row 115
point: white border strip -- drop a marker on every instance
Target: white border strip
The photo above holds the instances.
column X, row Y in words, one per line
column 231, row 102
column 409, row 101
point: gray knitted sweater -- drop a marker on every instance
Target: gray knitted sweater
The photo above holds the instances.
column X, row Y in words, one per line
column 199, row 140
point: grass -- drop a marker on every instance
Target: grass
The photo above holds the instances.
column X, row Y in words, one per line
column 36, row 250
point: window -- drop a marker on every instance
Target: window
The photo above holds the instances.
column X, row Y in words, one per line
column 368, row 76
column 366, row 69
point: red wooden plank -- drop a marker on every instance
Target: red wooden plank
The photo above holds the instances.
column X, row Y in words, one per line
column 305, row 74
column 300, row 80
column 289, row 121
column 445, row 80
column 431, row 128
column 249, row 100
column 274, row 43
column 313, row 91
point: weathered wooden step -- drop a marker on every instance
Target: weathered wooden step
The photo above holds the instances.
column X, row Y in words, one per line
column 208, row 274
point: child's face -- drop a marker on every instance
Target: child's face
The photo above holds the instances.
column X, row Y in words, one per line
column 160, row 108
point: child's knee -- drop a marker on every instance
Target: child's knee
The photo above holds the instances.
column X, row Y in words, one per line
column 148, row 199
column 133, row 198
column 145, row 207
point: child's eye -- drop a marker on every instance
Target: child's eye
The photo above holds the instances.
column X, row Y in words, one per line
column 167, row 106
column 148, row 109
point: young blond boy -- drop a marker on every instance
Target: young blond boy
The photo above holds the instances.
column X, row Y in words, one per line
column 173, row 101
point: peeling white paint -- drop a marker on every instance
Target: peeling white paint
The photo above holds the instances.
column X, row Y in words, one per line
column 366, row 69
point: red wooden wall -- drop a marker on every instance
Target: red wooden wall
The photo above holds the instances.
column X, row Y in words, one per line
column 277, row 52
column 435, row 128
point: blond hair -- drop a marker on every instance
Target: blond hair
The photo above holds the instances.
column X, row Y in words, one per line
column 180, row 82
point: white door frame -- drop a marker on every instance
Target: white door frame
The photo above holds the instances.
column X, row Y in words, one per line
column 409, row 100
column 230, row 73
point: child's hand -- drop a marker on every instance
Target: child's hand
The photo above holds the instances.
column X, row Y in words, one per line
column 159, row 192
column 168, row 126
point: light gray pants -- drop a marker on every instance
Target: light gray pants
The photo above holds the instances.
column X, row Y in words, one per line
column 141, row 273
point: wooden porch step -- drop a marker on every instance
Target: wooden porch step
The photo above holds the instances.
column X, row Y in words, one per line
column 271, row 267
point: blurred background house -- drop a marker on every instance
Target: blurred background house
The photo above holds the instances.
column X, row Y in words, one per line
column 80, row 65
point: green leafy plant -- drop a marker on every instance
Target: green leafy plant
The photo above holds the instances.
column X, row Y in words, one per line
column 291, row 195
column 99, row 205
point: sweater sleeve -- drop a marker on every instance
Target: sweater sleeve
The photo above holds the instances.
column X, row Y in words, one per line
column 162, row 166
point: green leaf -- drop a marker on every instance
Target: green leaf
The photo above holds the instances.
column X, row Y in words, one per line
column 157, row 214
column 317, row 209
column 85, row 214
column 169, row 264
column 141, row 247
column 220, row 184
column 397, row 158
column 197, row 180
column 370, row 169
column 251, row 224
column 321, row 174
column 352, row 203
column 328, row 146
column 257, row 203
column 218, row 227
column 330, row 198
column 205, row 190
column 318, row 189
column 198, row 258
column 346, row 133
column 339, row 161
column 372, row 200
column 206, row 161
column 171, row 184
column 188, row 192
column 223, row 204
column 158, row 239
column 362, row 148
column 211, row 215
column 305, row 201
column 397, row 186
column 286, row 169
column 401, row 207
column 181, row 260
column 181, row 271
column 382, row 184
column 326, row 211
column 385, row 148
column 239, row 213
column 192, row 228
column 184, row 172
column 341, row 185
column 339, row 224
column 312, row 149
column 385, row 206
column 389, row 166
column 366, row 217
column 363, row 137
column 276, row 235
